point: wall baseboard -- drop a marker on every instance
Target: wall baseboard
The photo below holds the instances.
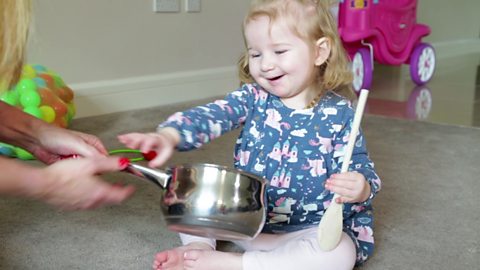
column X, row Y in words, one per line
column 450, row 49
column 104, row 97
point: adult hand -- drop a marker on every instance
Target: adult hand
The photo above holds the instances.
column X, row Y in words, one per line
column 74, row 184
column 46, row 142
column 54, row 142
column 351, row 186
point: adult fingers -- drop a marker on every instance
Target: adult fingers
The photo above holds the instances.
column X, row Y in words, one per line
column 93, row 141
column 109, row 194
column 102, row 197
column 93, row 166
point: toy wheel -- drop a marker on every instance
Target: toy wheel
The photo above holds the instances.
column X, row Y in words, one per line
column 422, row 63
column 419, row 103
column 362, row 68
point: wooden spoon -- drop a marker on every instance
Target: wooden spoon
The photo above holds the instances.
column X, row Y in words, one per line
column 330, row 227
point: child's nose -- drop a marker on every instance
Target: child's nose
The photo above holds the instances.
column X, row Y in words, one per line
column 267, row 63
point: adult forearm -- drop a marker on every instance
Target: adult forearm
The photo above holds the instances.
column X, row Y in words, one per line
column 17, row 127
column 19, row 179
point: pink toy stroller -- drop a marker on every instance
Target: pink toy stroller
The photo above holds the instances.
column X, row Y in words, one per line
column 385, row 31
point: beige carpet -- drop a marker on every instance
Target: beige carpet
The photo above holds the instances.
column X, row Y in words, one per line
column 427, row 215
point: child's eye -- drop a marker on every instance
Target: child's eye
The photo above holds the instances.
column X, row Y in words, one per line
column 280, row 51
column 254, row 55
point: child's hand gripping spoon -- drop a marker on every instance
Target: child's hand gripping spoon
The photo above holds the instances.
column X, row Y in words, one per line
column 330, row 227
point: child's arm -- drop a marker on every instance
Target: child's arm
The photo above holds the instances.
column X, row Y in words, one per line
column 193, row 128
column 361, row 183
column 202, row 124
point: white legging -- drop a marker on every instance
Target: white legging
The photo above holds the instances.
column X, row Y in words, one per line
column 296, row 250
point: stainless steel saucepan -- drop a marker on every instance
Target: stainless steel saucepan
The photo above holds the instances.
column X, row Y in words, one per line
column 209, row 200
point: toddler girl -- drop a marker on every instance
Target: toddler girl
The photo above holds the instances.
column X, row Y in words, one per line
column 295, row 115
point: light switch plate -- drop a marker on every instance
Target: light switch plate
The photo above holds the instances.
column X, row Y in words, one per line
column 166, row 5
column 193, row 5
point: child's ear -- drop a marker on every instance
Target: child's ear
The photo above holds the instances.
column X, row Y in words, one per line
column 322, row 50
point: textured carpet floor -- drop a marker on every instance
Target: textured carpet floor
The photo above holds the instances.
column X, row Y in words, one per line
column 427, row 215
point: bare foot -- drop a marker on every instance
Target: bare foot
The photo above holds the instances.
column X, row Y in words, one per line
column 172, row 259
column 169, row 259
column 196, row 259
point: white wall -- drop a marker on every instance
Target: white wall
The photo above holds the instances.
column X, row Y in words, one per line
column 455, row 25
column 120, row 55
column 450, row 20
column 90, row 40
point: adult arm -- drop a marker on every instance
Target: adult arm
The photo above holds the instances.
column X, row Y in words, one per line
column 68, row 184
column 45, row 141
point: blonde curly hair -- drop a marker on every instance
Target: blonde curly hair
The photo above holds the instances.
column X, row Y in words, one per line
column 15, row 18
column 310, row 20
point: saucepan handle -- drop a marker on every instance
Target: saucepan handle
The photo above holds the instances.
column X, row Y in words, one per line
column 158, row 177
column 155, row 176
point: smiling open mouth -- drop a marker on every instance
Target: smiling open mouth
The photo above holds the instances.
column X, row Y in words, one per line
column 275, row 78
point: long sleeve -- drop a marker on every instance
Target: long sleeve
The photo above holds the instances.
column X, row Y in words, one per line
column 202, row 124
column 360, row 160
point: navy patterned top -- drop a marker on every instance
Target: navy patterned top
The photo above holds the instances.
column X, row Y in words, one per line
column 296, row 150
